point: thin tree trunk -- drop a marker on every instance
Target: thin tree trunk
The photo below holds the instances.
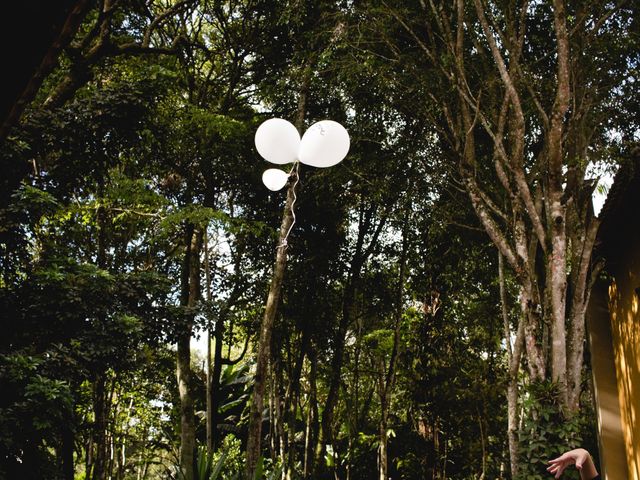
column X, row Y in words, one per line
column 556, row 206
column 483, row 444
column 140, row 467
column 187, row 420
column 218, row 362
column 291, row 407
column 209, row 380
column 189, row 296
column 122, row 459
column 312, row 427
column 514, row 354
column 512, row 423
column 89, row 460
column 276, row 385
column 273, row 429
column 100, row 426
column 436, row 447
column 383, row 455
column 66, row 451
column 112, row 456
column 586, row 273
column 214, row 390
column 112, row 413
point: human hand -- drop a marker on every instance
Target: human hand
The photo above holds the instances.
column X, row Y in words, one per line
column 580, row 457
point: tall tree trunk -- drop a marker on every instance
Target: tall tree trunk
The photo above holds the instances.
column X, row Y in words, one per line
column 215, row 379
column 273, row 427
column 112, row 412
column 122, row 458
column 586, row 274
column 254, row 437
column 483, row 444
column 514, row 354
column 189, row 296
column 264, row 343
column 355, row 410
column 100, row 426
column 209, row 374
column 89, row 460
column 291, row 403
column 66, row 452
column 383, row 454
column 279, row 415
column 312, row 427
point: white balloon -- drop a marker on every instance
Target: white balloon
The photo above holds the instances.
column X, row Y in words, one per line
column 278, row 141
column 324, row 144
column 274, row 179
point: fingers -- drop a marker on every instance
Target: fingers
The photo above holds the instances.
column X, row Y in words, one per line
column 577, row 457
column 557, row 469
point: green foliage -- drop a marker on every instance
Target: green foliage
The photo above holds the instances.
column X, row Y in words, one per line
column 235, row 387
column 547, row 432
column 379, row 341
column 266, row 469
column 233, row 455
column 194, row 214
column 213, row 126
column 207, row 468
column 34, row 408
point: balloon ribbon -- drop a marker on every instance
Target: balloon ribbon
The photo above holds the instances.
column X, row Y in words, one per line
column 294, row 169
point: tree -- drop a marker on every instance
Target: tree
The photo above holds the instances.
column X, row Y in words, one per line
column 524, row 147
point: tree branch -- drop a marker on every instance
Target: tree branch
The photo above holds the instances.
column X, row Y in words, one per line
column 517, row 155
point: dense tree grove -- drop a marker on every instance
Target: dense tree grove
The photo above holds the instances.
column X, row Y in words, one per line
column 425, row 319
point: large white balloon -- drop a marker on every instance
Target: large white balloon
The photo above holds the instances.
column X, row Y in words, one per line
column 274, row 179
column 278, row 141
column 324, row 144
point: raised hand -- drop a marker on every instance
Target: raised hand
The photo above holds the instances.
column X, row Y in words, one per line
column 578, row 457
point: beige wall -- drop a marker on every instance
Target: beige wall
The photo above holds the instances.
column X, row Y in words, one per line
column 625, row 330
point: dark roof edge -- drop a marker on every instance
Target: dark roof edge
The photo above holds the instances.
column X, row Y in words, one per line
column 620, row 214
column 64, row 35
column 628, row 171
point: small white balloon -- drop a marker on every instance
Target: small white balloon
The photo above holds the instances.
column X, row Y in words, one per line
column 274, row 179
column 324, row 144
column 278, row 141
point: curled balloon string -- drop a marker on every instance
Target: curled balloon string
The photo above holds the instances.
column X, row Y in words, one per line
column 284, row 243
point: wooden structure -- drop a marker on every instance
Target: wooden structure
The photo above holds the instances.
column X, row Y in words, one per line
column 613, row 321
